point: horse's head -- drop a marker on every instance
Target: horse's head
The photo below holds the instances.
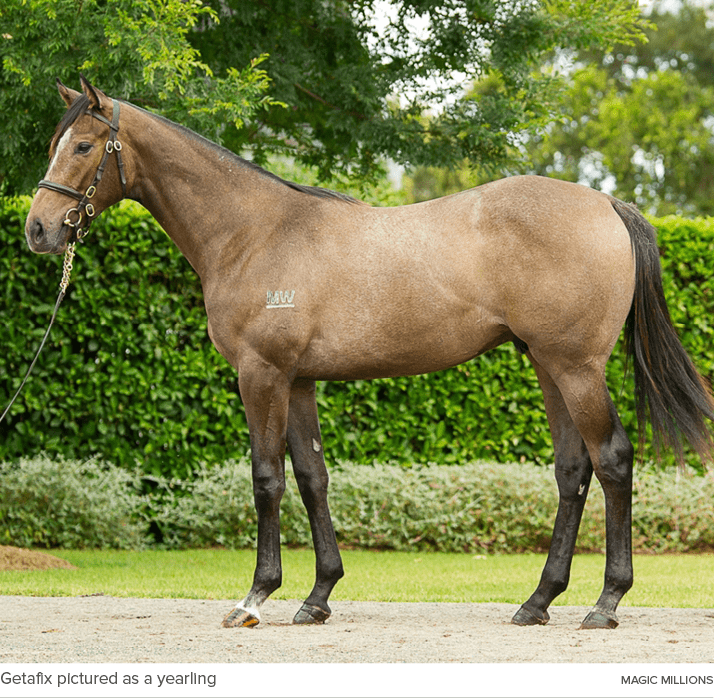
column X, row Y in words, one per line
column 76, row 187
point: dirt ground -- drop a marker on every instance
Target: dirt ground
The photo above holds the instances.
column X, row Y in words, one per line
column 102, row 629
column 18, row 559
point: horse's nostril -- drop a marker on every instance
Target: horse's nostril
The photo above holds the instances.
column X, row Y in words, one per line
column 37, row 230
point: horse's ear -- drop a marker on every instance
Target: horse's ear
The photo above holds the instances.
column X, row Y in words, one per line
column 67, row 94
column 94, row 94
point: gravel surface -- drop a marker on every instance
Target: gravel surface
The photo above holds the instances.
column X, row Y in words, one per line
column 101, row 629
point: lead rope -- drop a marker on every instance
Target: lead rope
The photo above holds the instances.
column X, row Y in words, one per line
column 66, row 272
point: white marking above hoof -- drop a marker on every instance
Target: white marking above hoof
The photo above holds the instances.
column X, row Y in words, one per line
column 242, row 616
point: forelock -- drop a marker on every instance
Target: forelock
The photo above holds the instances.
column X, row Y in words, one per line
column 74, row 112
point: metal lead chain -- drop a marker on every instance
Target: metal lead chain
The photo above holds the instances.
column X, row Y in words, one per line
column 67, row 271
column 67, row 268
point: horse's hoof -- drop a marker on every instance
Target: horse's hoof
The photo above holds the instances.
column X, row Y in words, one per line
column 597, row 620
column 525, row 617
column 310, row 615
column 240, row 617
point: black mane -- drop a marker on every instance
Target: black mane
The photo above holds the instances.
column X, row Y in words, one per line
column 321, row 192
column 306, row 189
column 81, row 103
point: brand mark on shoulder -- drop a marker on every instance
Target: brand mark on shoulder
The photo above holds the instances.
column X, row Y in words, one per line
column 280, row 300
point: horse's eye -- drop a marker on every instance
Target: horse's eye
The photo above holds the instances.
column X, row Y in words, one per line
column 83, row 148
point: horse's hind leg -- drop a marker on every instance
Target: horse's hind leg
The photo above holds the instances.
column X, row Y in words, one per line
column 585, row 394
column 305, row 448
column 573, row 471
column 612, row 454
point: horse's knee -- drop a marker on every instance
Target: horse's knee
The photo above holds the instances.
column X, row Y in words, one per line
column 313, row 486
column 268, row 490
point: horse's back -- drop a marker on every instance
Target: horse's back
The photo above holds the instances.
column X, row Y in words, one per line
column 412, row 289
column 375, row 291
column 525, row 247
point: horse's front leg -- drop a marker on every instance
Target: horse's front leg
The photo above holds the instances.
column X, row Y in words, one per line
column 305, row 447
column 265, row 393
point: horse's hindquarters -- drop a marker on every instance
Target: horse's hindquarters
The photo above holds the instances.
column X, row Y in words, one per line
column 562, row 262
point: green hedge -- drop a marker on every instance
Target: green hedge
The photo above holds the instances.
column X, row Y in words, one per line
column 130, row 375
column 480, row 507
column 72, row 505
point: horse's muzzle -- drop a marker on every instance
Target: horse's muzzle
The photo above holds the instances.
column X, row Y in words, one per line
column 43, row 241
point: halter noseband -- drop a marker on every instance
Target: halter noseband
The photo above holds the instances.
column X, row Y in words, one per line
column 113, row 145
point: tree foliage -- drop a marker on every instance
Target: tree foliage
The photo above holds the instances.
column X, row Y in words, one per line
column 355, row 91
column 652, row 140
column 136, row 49
column 639, row 119
column 358, row 92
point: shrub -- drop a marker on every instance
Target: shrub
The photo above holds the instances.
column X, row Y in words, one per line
column 70, row 504
column 474, row 508
column 480, row 507
column 129, row 373
column 673, row 512
column 215, row 509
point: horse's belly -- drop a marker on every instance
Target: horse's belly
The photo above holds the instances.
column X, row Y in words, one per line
column 404, row 344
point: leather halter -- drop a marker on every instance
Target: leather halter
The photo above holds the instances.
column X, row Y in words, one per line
column 85, row 208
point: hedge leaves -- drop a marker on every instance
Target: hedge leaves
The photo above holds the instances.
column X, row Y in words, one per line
column 483, row 508
column 130, row 375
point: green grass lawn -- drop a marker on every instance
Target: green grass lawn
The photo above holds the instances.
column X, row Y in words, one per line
column 660, row 581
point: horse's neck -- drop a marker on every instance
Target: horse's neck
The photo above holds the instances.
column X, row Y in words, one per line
column 205, row 199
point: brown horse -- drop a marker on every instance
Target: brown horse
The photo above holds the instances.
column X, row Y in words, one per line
column 304, row 284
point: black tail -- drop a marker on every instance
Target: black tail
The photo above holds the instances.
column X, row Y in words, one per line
column 668, row 388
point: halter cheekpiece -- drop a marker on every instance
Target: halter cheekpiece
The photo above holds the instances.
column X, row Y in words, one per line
column 85, row 209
